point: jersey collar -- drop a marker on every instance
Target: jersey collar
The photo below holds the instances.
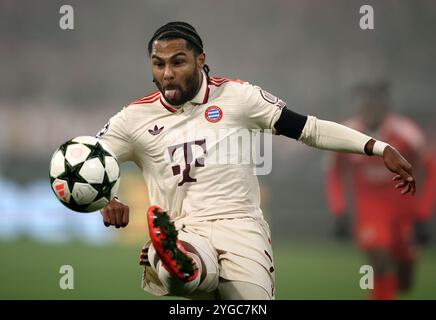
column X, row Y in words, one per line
column 201, row 97
column 203, row 93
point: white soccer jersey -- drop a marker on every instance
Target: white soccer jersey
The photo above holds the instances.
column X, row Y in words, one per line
column 186, row 155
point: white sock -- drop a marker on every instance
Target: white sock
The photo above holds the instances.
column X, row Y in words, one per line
column 176, row 286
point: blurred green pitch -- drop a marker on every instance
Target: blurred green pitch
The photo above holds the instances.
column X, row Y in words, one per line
column 30, row 270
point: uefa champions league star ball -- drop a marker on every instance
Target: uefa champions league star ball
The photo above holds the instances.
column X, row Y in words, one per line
column 84, row 174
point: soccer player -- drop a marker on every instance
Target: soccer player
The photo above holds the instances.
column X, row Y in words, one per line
column 208, row 237
column 384, row 220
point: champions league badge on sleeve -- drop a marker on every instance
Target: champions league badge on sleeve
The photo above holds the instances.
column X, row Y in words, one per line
column 213, row 114
column 269, row 97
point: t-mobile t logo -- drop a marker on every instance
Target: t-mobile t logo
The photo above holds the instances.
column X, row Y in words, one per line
column 187, row 155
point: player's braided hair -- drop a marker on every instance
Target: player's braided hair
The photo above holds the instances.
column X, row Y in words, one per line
column 177, row 30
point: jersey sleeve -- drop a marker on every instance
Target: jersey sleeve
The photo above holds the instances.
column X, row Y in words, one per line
column 261, row 108
column 116, row 136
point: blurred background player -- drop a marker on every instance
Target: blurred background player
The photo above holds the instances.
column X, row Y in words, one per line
column 384, row 220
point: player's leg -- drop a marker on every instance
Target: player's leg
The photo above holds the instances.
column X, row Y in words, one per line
column 404, row 254
column 174, row 285
column 245, row 258
column 406, row 271
column 375, row 238
column 385, row 278
column 381, row 260
column 184, row 262
column 239, row 290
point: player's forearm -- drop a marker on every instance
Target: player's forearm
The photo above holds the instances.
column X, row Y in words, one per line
column 333, row 136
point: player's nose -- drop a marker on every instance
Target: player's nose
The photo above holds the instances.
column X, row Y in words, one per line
column 168, row 74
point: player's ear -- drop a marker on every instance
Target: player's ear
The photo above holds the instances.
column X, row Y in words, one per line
column 201, row 60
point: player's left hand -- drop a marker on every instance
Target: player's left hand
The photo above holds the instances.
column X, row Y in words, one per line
column 143, row 256
column 396, row 163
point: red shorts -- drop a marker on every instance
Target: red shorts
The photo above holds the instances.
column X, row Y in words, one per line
column 390, row 233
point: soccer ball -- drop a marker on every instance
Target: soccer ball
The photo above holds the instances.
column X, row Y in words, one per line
column 84, row 174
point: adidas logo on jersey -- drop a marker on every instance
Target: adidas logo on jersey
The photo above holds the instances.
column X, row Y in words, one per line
column 155, row 130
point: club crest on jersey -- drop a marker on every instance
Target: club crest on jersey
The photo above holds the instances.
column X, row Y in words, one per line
column 213, row 114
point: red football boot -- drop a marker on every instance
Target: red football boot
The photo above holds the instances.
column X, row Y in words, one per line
column 173, row 255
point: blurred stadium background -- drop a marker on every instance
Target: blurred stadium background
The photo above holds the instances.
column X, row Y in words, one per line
column 57, row 84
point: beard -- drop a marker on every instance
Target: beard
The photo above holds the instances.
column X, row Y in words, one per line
column 192, row 85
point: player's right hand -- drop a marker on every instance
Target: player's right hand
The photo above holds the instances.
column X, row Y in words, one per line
column 115, row 213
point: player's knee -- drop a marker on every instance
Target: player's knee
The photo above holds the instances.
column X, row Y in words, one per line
column 175, row 286
column 206, row 258
column 205, row 282
column 210, row 276
column 202, row 253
